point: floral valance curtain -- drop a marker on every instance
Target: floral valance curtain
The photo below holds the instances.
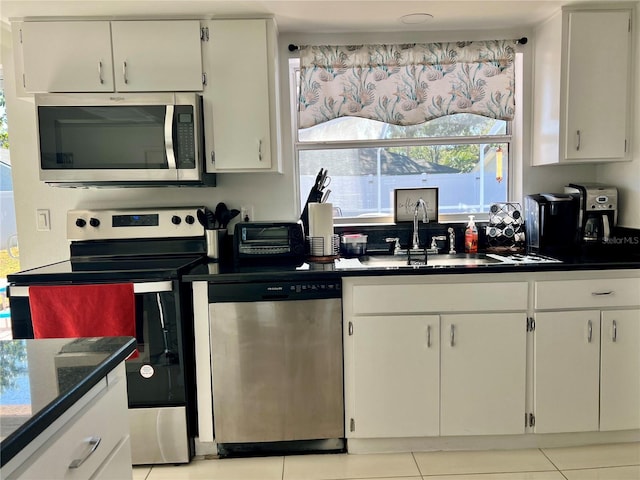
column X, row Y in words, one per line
column 406, row 84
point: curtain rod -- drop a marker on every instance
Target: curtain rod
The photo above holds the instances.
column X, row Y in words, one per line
column 520, row 41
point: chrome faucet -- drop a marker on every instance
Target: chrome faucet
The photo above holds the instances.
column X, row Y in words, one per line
column 452, row 241
column 425, row 218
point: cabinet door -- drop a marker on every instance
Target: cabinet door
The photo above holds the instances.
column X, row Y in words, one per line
column 620, row 370
column 395, row 374
column 237, row 96
column 155, row 56
column 598, row 68
column 67, row 57
column 566, row 379
column 483, row 374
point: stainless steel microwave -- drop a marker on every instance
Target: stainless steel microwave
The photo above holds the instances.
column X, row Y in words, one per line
column 110, row 139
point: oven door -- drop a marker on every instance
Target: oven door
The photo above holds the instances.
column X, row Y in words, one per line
column 155, row 377
column 121, row 138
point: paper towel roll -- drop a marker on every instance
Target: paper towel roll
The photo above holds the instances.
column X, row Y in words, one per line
column 321, row 224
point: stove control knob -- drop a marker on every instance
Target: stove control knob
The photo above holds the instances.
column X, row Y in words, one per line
column 80, row 222
column 190, row 219
column 176, row 220
column 94, row 222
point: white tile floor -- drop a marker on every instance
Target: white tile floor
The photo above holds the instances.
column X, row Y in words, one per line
column 602, row 462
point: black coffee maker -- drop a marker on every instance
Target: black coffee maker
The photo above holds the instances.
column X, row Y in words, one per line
column 598, row 212
column 551, row 221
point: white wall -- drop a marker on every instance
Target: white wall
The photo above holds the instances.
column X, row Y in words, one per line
column 626, row 176
column 273, row 196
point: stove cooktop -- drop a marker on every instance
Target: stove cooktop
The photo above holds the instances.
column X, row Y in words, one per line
column 107, row 269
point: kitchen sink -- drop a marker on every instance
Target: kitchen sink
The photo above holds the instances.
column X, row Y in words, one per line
column 442, row 260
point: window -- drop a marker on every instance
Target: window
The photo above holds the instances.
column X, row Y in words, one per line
column 466, row 156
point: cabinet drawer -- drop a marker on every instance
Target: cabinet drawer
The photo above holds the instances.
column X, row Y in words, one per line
column 104, row 418
column 452, row 297
column 605, row 292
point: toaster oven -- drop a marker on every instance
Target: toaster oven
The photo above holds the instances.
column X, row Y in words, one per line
column 270, row 242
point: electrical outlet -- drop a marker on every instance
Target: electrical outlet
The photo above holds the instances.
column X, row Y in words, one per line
column 246, row 213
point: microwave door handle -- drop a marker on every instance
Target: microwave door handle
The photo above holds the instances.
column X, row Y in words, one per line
column 168, row 137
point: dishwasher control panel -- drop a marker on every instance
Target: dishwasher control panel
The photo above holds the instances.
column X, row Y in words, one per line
column 274, row 291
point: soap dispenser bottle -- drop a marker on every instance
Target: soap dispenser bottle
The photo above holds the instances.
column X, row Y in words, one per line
column 471, row 237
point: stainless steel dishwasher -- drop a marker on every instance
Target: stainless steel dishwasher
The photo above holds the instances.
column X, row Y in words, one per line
column 276, row 355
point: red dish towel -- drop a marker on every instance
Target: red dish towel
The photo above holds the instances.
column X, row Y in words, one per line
column 67, row 311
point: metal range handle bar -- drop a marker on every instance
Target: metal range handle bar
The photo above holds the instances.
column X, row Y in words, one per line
column 142, row 287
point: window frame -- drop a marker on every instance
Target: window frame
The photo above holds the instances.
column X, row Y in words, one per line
column 509, row 138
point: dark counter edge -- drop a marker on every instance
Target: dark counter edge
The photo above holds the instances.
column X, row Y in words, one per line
column 28, row 432
column 279, row 274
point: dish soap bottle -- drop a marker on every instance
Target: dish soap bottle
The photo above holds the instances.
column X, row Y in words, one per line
column 471, row 237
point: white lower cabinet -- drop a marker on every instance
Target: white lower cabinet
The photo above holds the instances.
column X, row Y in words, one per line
column 587, row 354
column 482, row 375
column 396, row 376
column 567, row 350
column 620, row 370
column 432, row 370
column 90, row 440
column 491, row 354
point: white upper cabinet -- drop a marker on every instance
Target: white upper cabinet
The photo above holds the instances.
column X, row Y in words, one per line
column 241, row 96
column 66, row 56
column 583, row 89
column 103, row 56
column 157, row 56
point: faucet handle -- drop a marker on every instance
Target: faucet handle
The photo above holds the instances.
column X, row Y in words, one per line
column 434, row 239
column 452, row 241
column 396, row 247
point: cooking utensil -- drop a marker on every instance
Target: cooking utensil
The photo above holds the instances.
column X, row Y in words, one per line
column 206, row 218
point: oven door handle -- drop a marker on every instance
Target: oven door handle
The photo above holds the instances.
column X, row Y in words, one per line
column 142, row 287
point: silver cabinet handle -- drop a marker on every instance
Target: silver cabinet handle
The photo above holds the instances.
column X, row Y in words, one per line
column 578, row 144
column 590, row 329
column 124, row 72
column 93, row 443
column 100, row 73
column 260, row 150
column 428, row 336
column 597, row 294
column 614, row 335
column 453, row 335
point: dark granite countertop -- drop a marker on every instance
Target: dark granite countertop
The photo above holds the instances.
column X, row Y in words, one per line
column 33, row 393
column 230, row 273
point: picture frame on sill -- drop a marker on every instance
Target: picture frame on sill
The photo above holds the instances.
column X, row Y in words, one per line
column 405, row 200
